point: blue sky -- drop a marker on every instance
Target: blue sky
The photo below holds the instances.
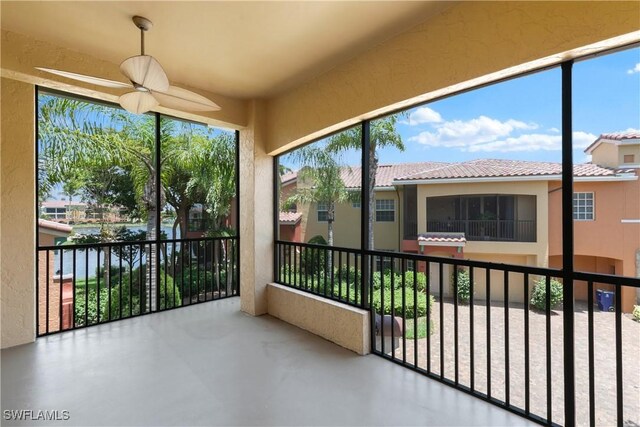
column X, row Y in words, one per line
column 521, row 118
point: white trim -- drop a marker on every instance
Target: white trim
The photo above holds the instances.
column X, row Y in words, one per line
column 630, row 221
column 449, row 244
column 627, row 177
column 630, row 166
column 626, row 141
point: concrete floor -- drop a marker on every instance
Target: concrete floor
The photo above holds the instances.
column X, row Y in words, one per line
column 210, row 364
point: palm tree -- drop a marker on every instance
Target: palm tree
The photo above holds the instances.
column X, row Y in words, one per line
column 383, row 134
column 320, row 181
column 75, row 135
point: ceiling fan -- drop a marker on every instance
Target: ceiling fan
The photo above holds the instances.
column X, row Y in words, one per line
column 149, row 80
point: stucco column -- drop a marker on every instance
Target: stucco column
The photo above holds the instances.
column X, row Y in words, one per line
column 17, row 214
column 256, row 213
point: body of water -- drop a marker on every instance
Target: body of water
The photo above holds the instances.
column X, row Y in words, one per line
column 87, row 261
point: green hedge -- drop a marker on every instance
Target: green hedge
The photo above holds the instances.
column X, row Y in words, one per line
column 539, row 294
column 411, row 308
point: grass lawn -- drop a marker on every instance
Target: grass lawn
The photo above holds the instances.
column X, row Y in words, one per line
column 410, row 328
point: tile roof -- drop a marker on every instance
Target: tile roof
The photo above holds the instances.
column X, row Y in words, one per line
column 494, row 168
column 481, row 168
column 55, row 226
column 289, row 176
column 61, row 204
column 290, row 218
column 386, row 174
column 618, row 136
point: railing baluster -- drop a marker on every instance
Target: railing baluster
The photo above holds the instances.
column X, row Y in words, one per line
column 381, row 306
column 61, row 286
column 527, row 386
column 48, row 285
column 415, row 315
column 130, row 280
column 198, row 254
column 120, row 283
column 488, row 309
column 73, row 291
column 393, row 309
column 548, row 344
column 86, row 287
column 98, row 310
column 429, row 323
column 619, row 378
column 348, row 276
column 507, row 376
column 592, row 370
column 472, row 364
column 455, row 324
column 441, row 290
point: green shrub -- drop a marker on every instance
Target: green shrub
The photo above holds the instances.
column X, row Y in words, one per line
column 421, row 280
column 312, row 261
column 464, row 286
column 198, row 279
column 539, row 294
column 636, row 313
column 419, row 309
column 129, row 299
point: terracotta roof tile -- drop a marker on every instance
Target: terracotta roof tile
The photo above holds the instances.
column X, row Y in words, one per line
column 56, row 226
column 290, row 217
column 618, row 136
column 289, row 176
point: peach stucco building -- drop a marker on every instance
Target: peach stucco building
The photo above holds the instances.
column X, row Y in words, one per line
column 503, row 211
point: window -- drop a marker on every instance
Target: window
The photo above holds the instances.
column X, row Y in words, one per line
column 356, row 204
column 382, row 263
column 628, row 158
column 323, row 212
column 583, row 207
column 385, row 210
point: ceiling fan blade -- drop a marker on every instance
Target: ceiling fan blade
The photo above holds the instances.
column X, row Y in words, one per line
column 138, row 102
column 146, row 71
column 184, row 100
column 87, row 79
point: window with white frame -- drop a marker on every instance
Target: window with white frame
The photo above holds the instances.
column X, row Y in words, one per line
column 385, row 210
column 356, row 204
column 323, row 212
column 583, row 206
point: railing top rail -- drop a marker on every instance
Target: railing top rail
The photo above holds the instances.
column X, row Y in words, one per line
column 131, row 243
column 607, row 278
column 316, row 246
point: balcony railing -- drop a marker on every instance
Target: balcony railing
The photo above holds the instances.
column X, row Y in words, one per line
column 495, row 331
column 490, row 230
column 89, row 284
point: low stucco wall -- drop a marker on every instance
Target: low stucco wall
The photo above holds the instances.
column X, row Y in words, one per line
column 344, row 325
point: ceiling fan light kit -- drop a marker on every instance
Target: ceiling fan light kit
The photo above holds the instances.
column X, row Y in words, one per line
column 149, row 81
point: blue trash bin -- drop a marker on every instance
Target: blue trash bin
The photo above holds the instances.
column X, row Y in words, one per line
column 605, row 302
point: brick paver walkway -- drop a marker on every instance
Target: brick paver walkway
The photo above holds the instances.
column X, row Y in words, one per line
column 605, row 374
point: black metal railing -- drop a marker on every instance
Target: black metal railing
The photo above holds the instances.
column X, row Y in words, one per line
column 490, row 230
column 491, row 330
column 89, row 284
column 334, row 273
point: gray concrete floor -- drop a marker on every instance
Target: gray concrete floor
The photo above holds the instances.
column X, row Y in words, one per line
column 210, row 364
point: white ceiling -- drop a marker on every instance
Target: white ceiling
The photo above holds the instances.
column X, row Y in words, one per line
column 237, row 49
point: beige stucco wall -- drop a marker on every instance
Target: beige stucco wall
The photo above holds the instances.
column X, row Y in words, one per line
column 606, row 155
column 256, row 214
column 482, row 249
column 17, row 214
column 633, row 150
column 346, row 227
column 466, row 41
column 346, row 326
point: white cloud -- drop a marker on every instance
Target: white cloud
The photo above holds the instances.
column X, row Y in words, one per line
column 635, row 69
column 423, row 115
column 459, row 133
column 485, row 134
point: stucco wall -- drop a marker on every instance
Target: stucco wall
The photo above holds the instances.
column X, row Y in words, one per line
column 467, row 41
column 472, row 250
column 344, row 325
column 17, row 214
column 256, row 214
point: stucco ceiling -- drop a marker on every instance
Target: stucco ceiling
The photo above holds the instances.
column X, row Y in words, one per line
column 237, row 49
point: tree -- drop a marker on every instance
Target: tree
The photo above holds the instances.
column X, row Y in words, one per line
column 320, row 181
column 383, row 134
